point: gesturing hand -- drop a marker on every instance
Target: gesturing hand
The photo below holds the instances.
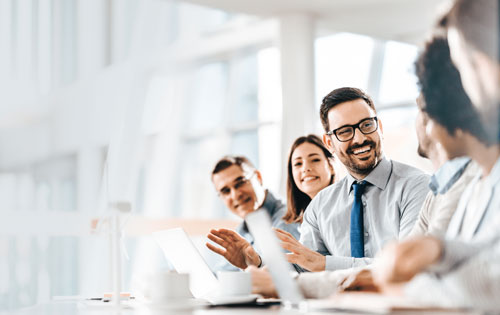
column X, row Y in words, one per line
column 399, row 262
column 262, row 283
column 361, row 280
column 299, row 254
column 234, row 248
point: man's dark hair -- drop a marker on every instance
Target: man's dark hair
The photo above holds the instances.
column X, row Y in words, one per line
column 339, row 96
column 445, row 99
column 229, row 160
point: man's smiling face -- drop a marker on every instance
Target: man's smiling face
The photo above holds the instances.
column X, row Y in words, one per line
column 240, row 190
column 363, row 152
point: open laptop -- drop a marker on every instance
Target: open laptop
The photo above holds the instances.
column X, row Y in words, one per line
column 185, row 257
column 259, row 224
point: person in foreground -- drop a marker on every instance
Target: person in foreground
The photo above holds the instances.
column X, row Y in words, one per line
column 239, row 185
column 474, row 34
column 463, row 269
column 347, row 223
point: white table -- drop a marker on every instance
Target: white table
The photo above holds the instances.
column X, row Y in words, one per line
column 78, row 308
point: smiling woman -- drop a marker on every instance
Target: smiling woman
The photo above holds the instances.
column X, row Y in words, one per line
column 310, row 169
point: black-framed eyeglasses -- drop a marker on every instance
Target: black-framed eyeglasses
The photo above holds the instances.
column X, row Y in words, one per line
column 346, row 132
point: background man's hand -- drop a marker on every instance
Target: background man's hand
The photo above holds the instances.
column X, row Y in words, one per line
column 234, row 248
column 299, row 254
column 262, row 283
column 399, row 262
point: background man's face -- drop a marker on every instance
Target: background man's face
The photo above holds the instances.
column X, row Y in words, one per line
column 362, row 153
column 424, row 141
column 240, row 198
column 452, row 145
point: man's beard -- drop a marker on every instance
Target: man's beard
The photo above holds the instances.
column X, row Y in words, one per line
column 422, row 152
column 353, row 163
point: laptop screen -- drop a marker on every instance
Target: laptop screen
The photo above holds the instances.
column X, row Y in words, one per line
column 273, row 257
column 185, row 257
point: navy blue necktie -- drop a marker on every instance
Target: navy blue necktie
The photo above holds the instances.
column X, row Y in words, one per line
column 357, row 230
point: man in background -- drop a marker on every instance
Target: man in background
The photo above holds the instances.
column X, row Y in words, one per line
column 239, row 185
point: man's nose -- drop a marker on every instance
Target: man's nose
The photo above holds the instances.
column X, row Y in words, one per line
column 235, row 193
column 358, row 137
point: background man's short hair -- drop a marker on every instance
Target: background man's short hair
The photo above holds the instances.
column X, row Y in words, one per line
column 229, row 160
column 445, row 99
column 339, row 96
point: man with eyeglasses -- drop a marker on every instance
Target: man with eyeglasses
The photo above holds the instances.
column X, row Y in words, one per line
column 379, row 200
column 239, row 185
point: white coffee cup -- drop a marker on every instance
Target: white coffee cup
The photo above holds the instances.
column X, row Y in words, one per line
column 232, row 283
column 169, row 286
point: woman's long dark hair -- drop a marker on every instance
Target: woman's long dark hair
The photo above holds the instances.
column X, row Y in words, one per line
column 297, row 201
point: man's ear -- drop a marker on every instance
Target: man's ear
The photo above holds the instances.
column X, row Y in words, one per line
column 259, row 176
column 327, row 141
column 381, row 126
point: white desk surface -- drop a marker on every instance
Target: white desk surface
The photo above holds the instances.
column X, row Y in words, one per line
column 75, row 308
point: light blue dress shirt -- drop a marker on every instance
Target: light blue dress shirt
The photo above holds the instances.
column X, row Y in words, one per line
column 448, row 174
column 276, row 210
column 391, row 204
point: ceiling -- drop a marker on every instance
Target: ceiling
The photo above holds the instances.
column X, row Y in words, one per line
column 404, row 20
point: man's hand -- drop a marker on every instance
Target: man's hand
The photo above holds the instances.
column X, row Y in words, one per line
column 392, row 289
column 399, row 262
column 262, row 283
column 361, row 280
column 299, row 254
column 234, row 248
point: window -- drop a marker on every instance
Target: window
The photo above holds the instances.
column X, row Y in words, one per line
column 398, row 83
column 232, row 108
column 206, row 99
column 67, row 29
column 342, row 60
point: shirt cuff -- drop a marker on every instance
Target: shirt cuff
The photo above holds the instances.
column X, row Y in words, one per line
column 337, row 263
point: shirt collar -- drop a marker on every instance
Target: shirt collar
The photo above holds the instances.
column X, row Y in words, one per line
column 379, row 176
column 448, row 174
column 269, row 204
column 494, row 175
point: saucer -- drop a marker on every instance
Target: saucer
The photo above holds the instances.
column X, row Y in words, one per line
column 176, row 304
column 233, row 299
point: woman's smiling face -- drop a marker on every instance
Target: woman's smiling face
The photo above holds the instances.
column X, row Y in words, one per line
column 311, row 169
